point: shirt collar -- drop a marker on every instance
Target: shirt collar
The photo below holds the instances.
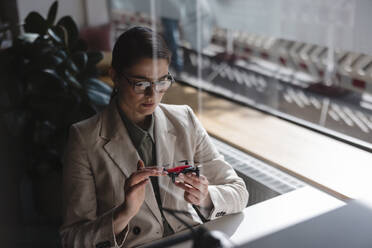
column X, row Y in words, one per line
column 136, row 133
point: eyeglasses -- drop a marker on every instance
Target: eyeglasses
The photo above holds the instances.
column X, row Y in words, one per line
column 161, row 86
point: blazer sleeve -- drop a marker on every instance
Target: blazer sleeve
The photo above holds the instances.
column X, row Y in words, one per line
column 81, row 225
column 227, row 190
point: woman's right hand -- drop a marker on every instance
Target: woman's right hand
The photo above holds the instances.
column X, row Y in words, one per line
column 135, row 187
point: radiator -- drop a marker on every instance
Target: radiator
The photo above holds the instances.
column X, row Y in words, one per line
column 263, row 181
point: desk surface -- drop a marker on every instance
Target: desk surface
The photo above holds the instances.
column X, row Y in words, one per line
column 273, row 215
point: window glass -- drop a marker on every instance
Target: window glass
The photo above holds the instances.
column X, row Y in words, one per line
column 310, row 67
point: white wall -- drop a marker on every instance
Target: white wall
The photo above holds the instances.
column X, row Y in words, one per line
column 97, row 12
column 74, row 8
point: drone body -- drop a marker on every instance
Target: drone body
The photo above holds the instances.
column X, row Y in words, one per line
column 175, row 171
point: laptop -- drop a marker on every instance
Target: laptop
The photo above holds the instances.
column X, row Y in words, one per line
column 347, row 227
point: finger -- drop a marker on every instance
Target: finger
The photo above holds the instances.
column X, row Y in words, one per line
column 154, row 167
column 138, row 186
column 161, row 169
column 147, row 173
column 142, row 175
column 189, row 189
column 182, row 185
column 140, row 165
column 202, row 182
column 158, row 168
column 191, row 199
column 203, row 179
column 193, row 181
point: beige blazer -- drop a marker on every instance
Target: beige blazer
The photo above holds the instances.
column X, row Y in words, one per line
column 100, row 156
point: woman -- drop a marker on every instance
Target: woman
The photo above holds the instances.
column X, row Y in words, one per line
column 114, row 180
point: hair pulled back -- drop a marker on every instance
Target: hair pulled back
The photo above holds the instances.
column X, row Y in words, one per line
column 137, row 43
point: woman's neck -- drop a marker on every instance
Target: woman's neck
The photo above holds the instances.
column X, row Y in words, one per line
column 141, row 121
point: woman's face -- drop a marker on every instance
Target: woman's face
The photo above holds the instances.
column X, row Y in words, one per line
column 138, row 106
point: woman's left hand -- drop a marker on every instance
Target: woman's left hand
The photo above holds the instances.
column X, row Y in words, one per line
column 196, row 189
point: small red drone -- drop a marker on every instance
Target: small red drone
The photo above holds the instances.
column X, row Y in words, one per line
column 175, row 171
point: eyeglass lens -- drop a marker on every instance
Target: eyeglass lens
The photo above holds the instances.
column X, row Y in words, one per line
column 160, row 86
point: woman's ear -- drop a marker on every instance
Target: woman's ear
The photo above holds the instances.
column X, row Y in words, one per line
column 113, row 75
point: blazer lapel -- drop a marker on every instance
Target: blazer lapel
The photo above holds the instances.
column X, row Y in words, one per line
column 119, row 146
column 121, row 150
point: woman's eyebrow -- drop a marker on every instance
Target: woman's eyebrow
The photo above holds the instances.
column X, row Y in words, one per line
column 145, row 78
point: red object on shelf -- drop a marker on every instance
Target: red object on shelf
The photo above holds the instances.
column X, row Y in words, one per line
column 283, row 61
column 359, row 83
column 303, row 66
column 264, row 55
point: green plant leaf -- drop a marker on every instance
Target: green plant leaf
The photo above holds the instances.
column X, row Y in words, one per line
column 94, row 57
column 72, row 66
column 72, row 30
column 52, row 60
column 98, row 85
column 54, row 36
column 52, row 76
column 4, row 27
column 52, row 13
column 80, row 59
column 35, row 23
column 99, row 92
column 59, row 31
column 72, row 80
column 61, row 53
column 80, row 45
column 46, row 82
column 98, row 98
column 45, row 61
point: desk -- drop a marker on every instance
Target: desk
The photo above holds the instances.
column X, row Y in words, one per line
column 272, row 215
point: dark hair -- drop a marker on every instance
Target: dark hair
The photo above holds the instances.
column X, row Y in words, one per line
column 137, row 43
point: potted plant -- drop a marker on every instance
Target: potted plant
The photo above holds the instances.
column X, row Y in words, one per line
column 48, row 81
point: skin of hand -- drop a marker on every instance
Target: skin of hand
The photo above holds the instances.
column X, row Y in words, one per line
column 135, row 187
column 196, row 189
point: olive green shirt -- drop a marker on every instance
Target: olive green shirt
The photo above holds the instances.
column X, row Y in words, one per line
column 144, row 142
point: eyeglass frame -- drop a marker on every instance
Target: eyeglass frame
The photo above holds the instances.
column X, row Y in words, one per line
column 133, row 84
